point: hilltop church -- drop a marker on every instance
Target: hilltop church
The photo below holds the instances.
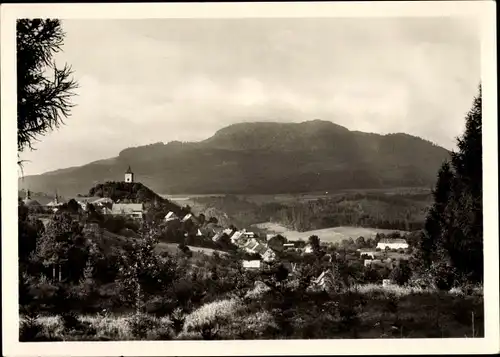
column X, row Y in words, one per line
column 129, row 175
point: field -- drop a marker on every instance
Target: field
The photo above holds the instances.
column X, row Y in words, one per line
column 330, row 235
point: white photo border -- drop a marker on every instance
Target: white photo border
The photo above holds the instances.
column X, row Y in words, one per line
column 484, row 11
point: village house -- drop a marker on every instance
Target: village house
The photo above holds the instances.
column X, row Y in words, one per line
column 388, row 263
column 171, row 216
column 85, row 201
column 268, row 255
column 396, row 243
column 217, row 236
column 248, row 234
column 252, row 264
column 325, row 281
column 134, row 210
column 236, row 236
column 254, row 246
column 368, row 253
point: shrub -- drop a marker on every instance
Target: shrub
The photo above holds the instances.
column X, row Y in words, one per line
column 208, row 319
column 141, row 326
column 31, row 329
column 75, row 329
column 177, row 318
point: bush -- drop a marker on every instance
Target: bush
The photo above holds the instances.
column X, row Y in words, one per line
column 208, row 319
column 143, row 325
column 31, row 330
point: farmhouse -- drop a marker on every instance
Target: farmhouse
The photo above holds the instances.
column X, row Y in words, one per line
column 135, row 210
column 392, row 244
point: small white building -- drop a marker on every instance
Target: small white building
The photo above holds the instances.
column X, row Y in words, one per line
column 187, row 217
column 236, row 236
column 392, row 244
column 248, row 234
column 252, row 264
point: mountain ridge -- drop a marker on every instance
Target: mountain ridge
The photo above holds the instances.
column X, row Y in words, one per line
column 263, row 157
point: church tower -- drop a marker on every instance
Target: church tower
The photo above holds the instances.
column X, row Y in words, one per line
column 129, row 175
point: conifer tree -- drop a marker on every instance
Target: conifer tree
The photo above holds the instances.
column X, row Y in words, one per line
column 435, row 221
column 464, row 239
column 452, row 242
column 44, row 91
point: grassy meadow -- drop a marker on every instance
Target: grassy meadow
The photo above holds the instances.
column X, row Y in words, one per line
column 389, row 312
column 328, row 235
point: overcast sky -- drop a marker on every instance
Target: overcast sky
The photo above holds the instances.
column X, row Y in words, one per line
column 145, row 81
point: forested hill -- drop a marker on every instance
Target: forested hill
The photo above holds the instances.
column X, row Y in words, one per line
column 264, row 158
column 135, row 192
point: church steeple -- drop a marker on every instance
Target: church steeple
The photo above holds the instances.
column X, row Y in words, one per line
column 129, row 175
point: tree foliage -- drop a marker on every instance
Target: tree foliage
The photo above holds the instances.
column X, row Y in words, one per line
column 43, row 90
column 452, row 243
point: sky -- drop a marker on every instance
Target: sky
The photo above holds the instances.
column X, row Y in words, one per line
column 146, row 81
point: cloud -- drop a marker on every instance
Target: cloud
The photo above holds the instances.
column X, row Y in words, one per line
column 144, row 81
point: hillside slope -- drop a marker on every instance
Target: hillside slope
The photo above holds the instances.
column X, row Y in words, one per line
column 263, row 158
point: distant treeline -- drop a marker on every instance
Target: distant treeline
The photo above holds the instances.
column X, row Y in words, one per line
column 378, row 210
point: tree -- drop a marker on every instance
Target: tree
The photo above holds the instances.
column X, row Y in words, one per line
column 452, row 244
column 144, row 273
column 315, row 243
column 43, row 100
column 360, row 242
column 73, row 206
column 435, row 220
column 463, row 238
column 62, row 246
